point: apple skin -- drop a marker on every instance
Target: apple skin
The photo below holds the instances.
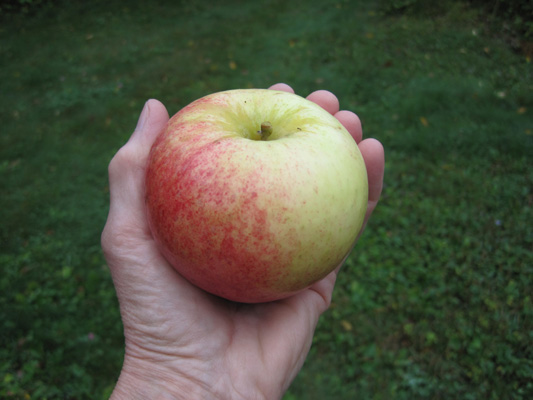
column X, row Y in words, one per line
column 254, row 220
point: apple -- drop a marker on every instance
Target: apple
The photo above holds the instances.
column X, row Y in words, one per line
column 254, row 195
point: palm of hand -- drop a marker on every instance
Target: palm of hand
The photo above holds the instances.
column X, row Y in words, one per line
column 168, row 320
column 180, row 334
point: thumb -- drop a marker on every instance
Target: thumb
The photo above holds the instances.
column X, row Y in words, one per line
column 152, row 121
column 126, row 176
column 126, row 169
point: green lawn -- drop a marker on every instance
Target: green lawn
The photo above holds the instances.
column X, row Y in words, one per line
column 434, row 303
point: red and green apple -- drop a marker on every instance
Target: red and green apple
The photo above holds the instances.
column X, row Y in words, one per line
column 254, row 195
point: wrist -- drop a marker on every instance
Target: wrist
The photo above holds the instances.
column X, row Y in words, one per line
column 144, row 380
column 141, row 379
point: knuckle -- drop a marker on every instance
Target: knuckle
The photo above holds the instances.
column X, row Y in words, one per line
column 121, row 158
column 126, row 159
column 106, row 240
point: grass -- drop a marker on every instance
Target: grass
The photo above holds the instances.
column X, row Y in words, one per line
column 434, row 302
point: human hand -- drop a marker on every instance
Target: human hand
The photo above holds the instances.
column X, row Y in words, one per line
column 182, row 342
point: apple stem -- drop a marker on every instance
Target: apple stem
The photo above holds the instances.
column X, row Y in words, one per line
column 266, row 130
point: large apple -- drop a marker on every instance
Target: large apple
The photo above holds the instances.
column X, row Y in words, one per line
column 254, row 195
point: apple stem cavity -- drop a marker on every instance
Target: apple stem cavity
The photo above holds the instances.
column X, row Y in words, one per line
column 266, row 130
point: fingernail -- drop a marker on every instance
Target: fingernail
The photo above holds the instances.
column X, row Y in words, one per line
column 143, row 116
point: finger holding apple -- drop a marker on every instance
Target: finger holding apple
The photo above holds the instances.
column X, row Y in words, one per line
column 371, row 149
column 254, row 195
